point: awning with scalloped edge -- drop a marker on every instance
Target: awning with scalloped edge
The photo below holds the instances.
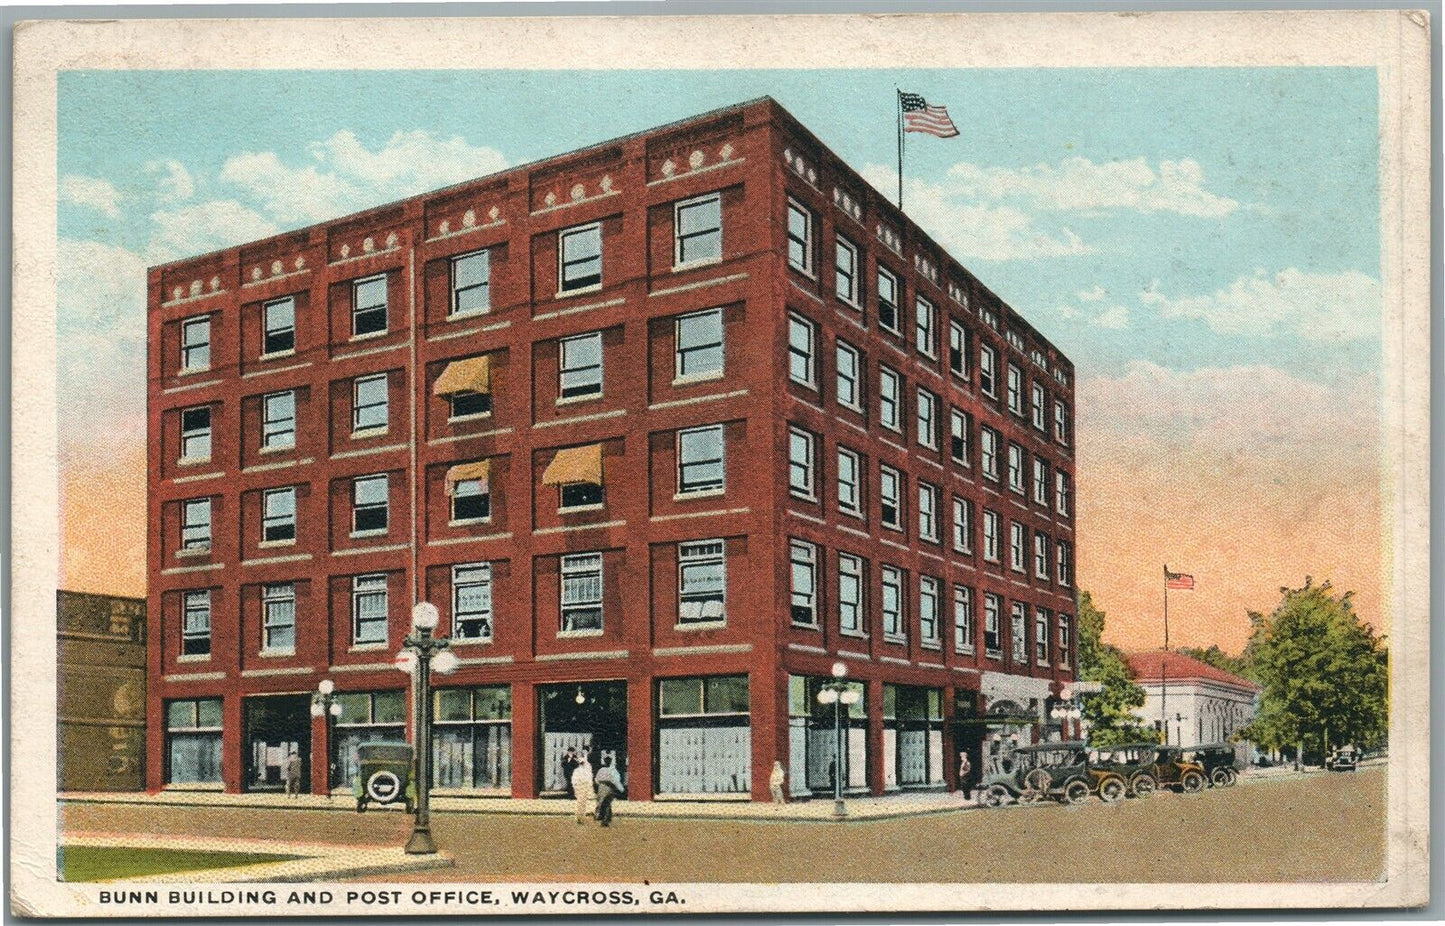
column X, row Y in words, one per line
column 466, row 472
column 473, row 374
column 574, row 465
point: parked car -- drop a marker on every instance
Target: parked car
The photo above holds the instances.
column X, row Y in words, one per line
column 384, row 775
column 1034, row 773
column 1220, row 762
column 1133, row 763
column 1344, row 759
column 1172, row 770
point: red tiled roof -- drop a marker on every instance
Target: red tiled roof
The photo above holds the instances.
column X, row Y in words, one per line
column 1151, row 665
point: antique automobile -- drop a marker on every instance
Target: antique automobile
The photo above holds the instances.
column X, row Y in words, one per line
column 1220, row 762
column 1132, row 763
column 1034, row 773
column 1172, row 770
column 384, row 775
column 1344, row 759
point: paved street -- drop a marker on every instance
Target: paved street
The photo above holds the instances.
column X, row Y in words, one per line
column 1319, row 827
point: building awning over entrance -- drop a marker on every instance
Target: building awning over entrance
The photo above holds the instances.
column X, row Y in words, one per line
column 481, row 470
column 473, row 374
column 574, row 465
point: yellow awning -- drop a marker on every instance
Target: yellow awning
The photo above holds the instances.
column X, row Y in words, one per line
column 462, row 472
column 474, row 374
column 575, row 464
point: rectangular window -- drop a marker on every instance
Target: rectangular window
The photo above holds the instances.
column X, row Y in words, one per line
column 849, row 393
column 850, row 594
column 196, row 433
column 278, row 515
column 700, row 460
column 991, row 535
column 959, row 427
column 1037, row 407
column 1065, row 563
column 1061, row 422
column 801, row 460
column 928, row 610
column 962, row 619
column 467, row 404
column 196, row 624
column 846, row 271
column 196, row 345
column 1015, row 390
column 927, row 418
column 927, row 512
column 962, row 525
column 992, row 637
column 988, row 371
column 926, row 331
column 801, row 356
column 1016, row 468
column 988, row 451
column 1041, row 554
column 472, row 601
column 193, row 741
column 580, row 365
column 1061, row 492
column 278, row 624
column 369, row 504
column 701, row 582
column 582, row 592
column 889, row 387
column 849, row 497
column 579, row 257
column 278, row 321
column 803, row 559
column 471, row 501
column 1041, row 481
column 579, row 495
column 1020, row 639
column 890, row 496
column 698, row 224
column 892, row 605
column 196, row 524
column 278, row 420
column 800, row 238
column 1018, row 547
column 369, row 403
column 471, row 283
column 699, row 344
column 368, row 306
column 1066, row 641
column 958, row 349
column 888, row 300
column 1042, row 619
column 368, row 609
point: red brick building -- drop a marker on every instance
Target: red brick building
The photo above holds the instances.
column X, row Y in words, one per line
column 664, row 427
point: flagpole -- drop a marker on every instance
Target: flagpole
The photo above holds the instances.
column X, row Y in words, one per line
column 898, row 98
column 1164, row 664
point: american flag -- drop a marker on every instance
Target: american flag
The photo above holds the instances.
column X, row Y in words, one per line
column 1178, row 580
column 918, row 116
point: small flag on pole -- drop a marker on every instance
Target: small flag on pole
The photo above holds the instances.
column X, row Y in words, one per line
column 1178, row 580
column 918, row 116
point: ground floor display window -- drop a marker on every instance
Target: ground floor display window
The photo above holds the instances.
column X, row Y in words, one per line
column 912, row 736
column 366, row 717
column 704, row 742
column 812, row 743
column 193, row 741
column 472, row 737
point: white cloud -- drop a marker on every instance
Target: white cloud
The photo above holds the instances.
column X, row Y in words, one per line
column 92, row 192
column 204, row 227
column 1317, row 307
column 1097, row 294
column 1080, row 185
column 175, row 181
column 347, row 176
column 1114, row 317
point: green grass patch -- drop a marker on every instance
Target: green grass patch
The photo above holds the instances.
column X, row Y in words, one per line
column 104, row 863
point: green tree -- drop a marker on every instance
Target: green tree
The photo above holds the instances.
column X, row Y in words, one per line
column 1323, row 671
column 1110, row 713
column 1214, row 656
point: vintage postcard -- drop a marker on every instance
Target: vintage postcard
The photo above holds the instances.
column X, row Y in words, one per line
column 721, row 464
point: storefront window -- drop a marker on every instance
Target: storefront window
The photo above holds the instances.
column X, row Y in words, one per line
column 366, row 717
column 472, row 739
column 193, row 741
column 704, row 739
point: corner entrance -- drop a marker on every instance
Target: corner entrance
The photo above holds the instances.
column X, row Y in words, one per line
column 589, row 718
column 275, row 727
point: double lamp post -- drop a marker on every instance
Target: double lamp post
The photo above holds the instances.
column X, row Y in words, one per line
column 422, row 651
column 838, row 693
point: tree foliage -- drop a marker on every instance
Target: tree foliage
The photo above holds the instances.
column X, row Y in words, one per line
column 1110, row 713
column 1323, row 671
column 1214, row 656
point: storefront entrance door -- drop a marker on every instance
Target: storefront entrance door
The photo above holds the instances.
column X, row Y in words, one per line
column 590, row 718
column 276, row 726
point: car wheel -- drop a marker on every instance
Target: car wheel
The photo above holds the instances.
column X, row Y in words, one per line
column 1144, row 785
column 1076, row 792
column 994, row 796
column 1112, row 791
column 1219, row 777
column 1191, row 782
column 360, row 805
column 1231, row 778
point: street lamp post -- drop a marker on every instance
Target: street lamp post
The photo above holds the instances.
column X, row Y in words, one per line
column 1178, row 730
column 838, row 693
column 1064, row 711
column 427, row 648
column 324, row 704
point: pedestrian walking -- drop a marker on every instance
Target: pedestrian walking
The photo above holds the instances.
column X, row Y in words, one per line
column 582, row 788
column 775, row 783
column 569, row 765
column 609, row 788
column 965, row 774
column 293, row 775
